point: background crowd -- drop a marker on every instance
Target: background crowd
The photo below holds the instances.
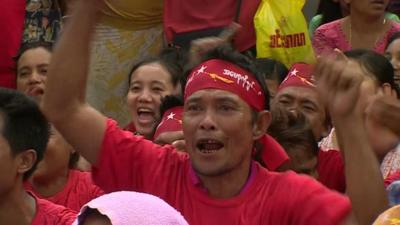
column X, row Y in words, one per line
column 199, row 112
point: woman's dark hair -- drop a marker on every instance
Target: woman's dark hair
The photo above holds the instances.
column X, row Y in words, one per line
column 392, row 38
column 227, row 53
column 271, row 69
column 32, row 45
column 329, row 10
column 73, row 160
column 376, row 64
column 170, row 58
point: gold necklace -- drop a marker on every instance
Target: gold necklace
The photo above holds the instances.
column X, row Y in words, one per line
column 377, row 38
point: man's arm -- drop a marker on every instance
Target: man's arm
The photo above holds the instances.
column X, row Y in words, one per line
column 64, row 100
column 340, row 86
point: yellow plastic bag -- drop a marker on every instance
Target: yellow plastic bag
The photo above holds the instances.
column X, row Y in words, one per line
column 282, row 33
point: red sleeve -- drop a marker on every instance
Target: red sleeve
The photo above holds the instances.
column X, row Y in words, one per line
column 84, row 191
column 11, row 29
column 131, row 163
column 315, row 204
column 331, row 170
column 48, row 213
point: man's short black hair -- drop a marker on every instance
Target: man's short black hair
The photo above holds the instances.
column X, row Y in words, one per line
column 24, row 125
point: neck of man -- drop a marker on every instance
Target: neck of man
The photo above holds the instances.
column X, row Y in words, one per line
column 228, row 184
column 17, row 207
column 48, row 186
column 361, row 23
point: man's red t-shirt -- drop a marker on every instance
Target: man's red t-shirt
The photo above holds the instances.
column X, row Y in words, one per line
column 190, row 15
column 131, row 163
column 331, row 170
column 78, row 191
column 48, row 213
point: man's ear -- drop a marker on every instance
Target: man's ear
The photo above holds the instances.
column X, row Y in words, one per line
column 26, row 160
column 261, row 124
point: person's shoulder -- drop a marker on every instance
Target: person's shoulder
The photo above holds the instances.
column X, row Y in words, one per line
column 336, row 24
column 48, row 213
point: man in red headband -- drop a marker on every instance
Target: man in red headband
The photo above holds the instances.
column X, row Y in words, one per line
column 297, row 95
column 224, row 118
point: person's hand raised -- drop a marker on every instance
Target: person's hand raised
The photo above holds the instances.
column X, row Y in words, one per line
column 338, row 84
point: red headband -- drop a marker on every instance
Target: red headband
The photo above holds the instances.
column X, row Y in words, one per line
column 171, row 121
column 300, row 75
column 220, row 74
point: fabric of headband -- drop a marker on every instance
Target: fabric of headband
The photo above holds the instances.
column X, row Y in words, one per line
column 300, row 75
column 171, row 121
column 223, row 75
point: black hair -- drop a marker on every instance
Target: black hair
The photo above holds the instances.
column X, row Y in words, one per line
column 376, row 64
column 25, row 127
column 170, row 58
column 271, row 69
column 227, row 53
column 32, row 45
column 392, row 38
column 292, row 131
column 73, row 160
column 329, row 10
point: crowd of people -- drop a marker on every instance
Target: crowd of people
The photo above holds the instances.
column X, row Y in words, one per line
column 135, row 112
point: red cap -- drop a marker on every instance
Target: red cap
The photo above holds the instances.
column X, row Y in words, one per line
column 300, row 75
column 171, row 121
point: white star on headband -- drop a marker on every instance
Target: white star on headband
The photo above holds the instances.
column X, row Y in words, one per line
column 171, row 116
column 201, row 70
column 294, row 72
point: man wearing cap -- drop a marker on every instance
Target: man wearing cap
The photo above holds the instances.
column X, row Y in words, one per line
column 297, row 94
column 224, row 117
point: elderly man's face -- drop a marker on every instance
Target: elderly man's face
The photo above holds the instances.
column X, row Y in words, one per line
column 304, row 100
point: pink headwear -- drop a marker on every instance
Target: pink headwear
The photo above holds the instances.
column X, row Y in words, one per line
column 133, row 208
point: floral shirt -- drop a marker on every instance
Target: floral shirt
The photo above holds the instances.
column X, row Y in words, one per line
column 42, row 21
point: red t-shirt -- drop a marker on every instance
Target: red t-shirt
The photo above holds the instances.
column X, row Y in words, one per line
column 131, row 163
column 78, row 191
column 48, row 213
column 11, row 29
column 331, row 170
column 190, row 15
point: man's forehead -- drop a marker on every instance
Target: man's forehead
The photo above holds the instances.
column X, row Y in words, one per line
column 213, row 93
